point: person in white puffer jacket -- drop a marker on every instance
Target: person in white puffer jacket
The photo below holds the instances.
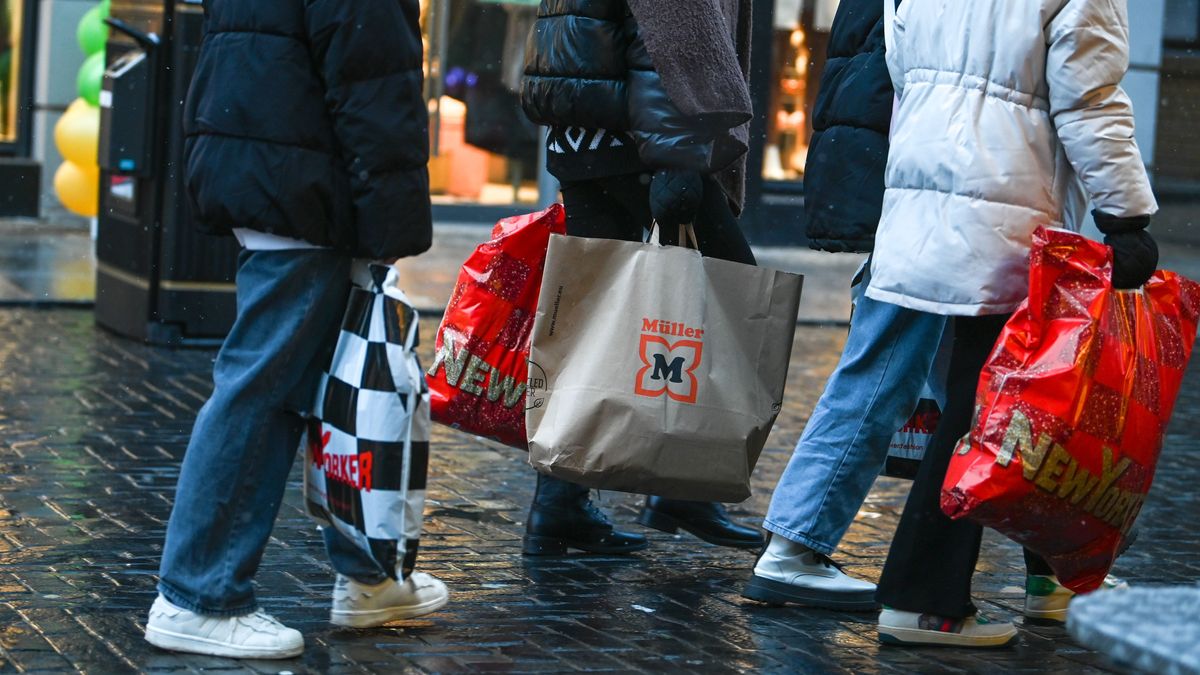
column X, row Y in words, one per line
column 1010, row 117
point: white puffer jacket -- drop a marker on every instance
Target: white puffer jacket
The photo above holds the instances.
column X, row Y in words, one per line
column 1010, row 116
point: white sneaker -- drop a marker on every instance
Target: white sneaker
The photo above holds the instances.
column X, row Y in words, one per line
column 358, row 605
column 1047, row 600
column 788, row 571
column 252, row 636
column 910, row 628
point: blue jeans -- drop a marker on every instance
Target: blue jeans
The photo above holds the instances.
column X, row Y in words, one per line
column 869, row 396
column 290, row 307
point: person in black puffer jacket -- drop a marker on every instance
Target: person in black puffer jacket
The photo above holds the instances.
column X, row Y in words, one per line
column 305, row 120
column 639, row 134
column 843, row 180
column 307, row 137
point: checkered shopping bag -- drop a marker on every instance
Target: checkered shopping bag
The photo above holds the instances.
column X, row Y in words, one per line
column 367, row 442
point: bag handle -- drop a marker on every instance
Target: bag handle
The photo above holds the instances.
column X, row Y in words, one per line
column 687, row 236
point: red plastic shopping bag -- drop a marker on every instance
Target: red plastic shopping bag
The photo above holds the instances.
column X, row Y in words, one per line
column 479, row 375
column 1071, row 408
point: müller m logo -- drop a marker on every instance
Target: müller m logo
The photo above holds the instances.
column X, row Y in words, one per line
column 668, row 368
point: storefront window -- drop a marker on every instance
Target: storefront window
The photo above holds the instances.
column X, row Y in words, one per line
column 484, row 150
column 11, row 21
column 800, row 36
column 1182, row 26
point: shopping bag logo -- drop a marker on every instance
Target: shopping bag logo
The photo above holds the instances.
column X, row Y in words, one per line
column 668, row 368
column 350, row 470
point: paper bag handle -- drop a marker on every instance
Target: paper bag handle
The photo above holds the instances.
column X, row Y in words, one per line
column 687, row 236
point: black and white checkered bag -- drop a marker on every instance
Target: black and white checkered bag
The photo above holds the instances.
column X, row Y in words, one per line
column 367, row 444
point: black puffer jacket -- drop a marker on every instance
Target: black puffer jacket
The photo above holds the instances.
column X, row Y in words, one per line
column 843, row 181
column 305, row 119
column 587, row 68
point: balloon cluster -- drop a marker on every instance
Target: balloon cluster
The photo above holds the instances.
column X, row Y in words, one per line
column 77, row 134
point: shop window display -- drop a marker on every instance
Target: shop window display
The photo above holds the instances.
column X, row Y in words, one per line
column 1182, row 27
column 10, row 44
column 484, row 150
column 797, row 58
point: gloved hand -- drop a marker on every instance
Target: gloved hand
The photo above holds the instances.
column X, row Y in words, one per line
column 1135, row 253
column 675, row 196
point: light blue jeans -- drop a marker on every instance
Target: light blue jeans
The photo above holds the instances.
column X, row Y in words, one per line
column 871, row 393
column 290, row 307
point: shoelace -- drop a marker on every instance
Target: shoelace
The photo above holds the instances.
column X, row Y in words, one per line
column 826, row 561
column 594, row 511
column 265, row 623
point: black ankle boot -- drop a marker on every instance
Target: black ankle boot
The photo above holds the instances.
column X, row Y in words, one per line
column 562, row 516
column 706, row 520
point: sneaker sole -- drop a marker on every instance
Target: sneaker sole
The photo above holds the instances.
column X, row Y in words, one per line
column 1052, row 617
column 178, row 642
column 779, row 593
column 932, row 638
column 379, row 617
column 671, row 525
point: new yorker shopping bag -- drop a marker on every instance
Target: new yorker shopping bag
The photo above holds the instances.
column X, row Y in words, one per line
column 367, row 442
column 481, row 351
column 663, row 371
column 1071, row 408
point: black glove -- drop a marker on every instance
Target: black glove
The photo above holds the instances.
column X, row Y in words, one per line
column 1135, row 254
column 675, row 196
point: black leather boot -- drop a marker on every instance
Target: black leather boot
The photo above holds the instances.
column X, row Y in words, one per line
column 562, row 516
column 706, row 520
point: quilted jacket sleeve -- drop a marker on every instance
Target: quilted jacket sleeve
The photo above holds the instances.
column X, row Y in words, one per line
column 575, row 65
column 368, row 55
column 1087, row 58
column 666, row 138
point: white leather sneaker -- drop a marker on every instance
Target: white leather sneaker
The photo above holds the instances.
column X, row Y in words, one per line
column 358, row 605
column 252, row 636
column 790, row 572
column 1047, row 600
column 910, row 628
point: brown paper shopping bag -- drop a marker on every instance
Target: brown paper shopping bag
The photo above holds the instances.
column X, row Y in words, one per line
column 654, row 370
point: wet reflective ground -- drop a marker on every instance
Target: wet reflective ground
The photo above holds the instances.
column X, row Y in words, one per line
column 92, row 429
column 43, row 262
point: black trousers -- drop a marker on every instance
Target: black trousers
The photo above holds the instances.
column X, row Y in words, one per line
column 618, row 207
column 932, row 559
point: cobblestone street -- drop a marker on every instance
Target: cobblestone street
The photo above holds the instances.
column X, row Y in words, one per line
column 94, row 427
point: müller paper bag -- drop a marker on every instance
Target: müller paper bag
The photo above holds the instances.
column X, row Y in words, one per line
column 661, row 371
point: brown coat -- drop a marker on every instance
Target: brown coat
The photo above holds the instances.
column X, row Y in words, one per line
column 701, row 50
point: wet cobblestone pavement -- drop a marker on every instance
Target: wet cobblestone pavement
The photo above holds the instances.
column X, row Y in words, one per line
column 92, row 428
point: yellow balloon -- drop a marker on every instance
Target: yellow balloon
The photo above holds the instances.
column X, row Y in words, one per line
column 77, row 134
column 77, row 104
column 78, row 188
